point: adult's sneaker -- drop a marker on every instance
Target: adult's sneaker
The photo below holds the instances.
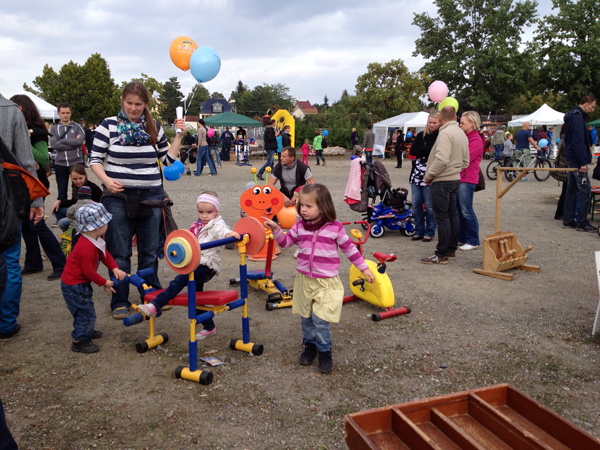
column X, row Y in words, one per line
column 435, row 260
column 589, row 228
column 468, row 247
column 11, row 334
column 571, row 224
column 56, row 274
column 86, row 346
column 120, row 313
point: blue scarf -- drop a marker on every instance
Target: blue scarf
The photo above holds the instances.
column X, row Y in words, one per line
column 132, row 133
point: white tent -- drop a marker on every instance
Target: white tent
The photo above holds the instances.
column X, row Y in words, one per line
column 416, row 120
column 47, row 111
column 543, row 116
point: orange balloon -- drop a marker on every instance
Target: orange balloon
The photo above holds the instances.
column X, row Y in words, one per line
column 287, row 217
column 181, row 51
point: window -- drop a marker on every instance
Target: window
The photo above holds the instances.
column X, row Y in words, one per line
column 217, row 108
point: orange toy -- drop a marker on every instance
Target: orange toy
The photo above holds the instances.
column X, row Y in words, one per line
column 287, row 217
column 259, row 202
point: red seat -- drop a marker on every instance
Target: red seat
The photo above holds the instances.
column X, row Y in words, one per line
column 202, row 298
column 384, row 257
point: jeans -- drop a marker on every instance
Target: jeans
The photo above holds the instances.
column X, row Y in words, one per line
column 424, row 221
column 33, row 255
column 121, row 230
column 3, row 275
column 498, row 149
column 216, row 154
column 202, row 275
column 225, row 151
column 204, row 157
column 399, row 158
column 61, row 213
column 543, row 153
column 316, row 331
column 7, row 442
column 443, row 203
column 78, row 298
column 320, row 155
column 269, row 163
column 62, row 181
column 63, row 224
column 560, row 207
column 11, row 300
column 577, row 198
column 369, row 156
column 469, row 226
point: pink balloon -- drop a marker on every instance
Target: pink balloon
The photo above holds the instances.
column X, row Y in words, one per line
column 210, row 132
column 438, row 91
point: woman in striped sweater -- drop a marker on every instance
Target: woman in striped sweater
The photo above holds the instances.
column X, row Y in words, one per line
column 318, row 291
column 132, row 143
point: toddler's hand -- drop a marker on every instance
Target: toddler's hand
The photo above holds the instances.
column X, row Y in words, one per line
column 233, row 234
column 119, row 274
column 108, row 287
column 270, row 224
column 369, row 276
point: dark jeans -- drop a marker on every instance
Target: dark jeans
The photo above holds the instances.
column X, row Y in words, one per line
column 560, row 207
column 424, row 221
column 204, row 156
column 316, row 331
column 79, row 301
column 121, row 230
column 369, row 157
column 7, row 442
column 202, row 275
column 61, row 213
column 3, row 275
column 398, row 158
column 33, row 255
column 320, row 155
column 11, row 300
column 443, row 202
column 469, row 226
column 62, row 181
column 577, row 198
column 269, row 163
column 225, row 151
column 498, row 149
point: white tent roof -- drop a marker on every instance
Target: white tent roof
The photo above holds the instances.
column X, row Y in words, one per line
column 543, row 116
column 47, row 111
column 407, row 120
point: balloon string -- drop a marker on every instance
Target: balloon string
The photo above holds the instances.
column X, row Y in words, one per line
column 191, row 98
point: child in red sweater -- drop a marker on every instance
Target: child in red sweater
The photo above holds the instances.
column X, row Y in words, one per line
column 81, row 270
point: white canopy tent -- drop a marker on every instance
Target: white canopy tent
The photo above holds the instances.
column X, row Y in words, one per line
column 416, row 120
column 47, row 111
column 543, row 116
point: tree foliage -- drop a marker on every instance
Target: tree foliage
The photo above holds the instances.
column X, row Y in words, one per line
column 567, row 43
column 388, row 89
column 171, row 98
column 198, row 95
column 155, row 89
column 474, row 47
column 89, row 89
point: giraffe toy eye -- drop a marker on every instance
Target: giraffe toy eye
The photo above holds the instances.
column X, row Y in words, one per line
column 267, row 190
column 256, row 190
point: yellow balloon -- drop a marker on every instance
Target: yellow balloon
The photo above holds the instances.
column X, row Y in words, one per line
column 448, row 101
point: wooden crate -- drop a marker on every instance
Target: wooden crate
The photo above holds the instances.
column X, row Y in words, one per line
column 492, row 418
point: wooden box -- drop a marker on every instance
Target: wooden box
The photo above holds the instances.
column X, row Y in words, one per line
column 492, row 418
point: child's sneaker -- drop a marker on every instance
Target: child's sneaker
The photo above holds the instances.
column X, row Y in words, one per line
column 308, row 355
column 86, row 346
column 148, row 310
column 205, row 333
column 325, row 362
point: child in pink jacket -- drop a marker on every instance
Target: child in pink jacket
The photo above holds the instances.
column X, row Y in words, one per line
column 305, row 151
column 318, row 291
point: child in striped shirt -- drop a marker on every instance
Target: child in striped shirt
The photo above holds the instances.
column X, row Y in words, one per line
column 318, row 291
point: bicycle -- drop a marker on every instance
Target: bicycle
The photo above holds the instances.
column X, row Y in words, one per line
column 536, row 162
column 492, row 168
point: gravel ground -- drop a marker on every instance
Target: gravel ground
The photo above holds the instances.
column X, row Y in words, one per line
column 534, row 333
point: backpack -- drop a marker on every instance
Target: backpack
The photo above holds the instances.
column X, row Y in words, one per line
column 560, row 163
column 323, row 143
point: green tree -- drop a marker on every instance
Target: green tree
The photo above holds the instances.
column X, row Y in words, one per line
column 171, row 97
column 100, row 89
column 325, row 103
column 198, row 95
column 217, row 95
column 388, row 89
column 568, row 43
column 268, row 97
column 47, row 84
column 240, row 89
column 474, row 47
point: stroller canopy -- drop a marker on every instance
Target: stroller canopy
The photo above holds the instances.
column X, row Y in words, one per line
column 416, row 120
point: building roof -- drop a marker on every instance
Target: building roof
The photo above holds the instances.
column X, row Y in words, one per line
column 207, row 106
column 307, row 108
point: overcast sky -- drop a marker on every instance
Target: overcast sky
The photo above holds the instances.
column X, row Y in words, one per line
column 316, row 48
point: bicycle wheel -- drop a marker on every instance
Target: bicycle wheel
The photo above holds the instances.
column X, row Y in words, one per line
column 512, row 174
column 492, row 169
column 542, row 163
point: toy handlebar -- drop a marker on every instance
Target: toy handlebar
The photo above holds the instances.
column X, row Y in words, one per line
column 137, row 279
column 363, row 223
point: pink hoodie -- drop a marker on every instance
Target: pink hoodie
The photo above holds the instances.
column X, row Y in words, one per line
column 471, row 173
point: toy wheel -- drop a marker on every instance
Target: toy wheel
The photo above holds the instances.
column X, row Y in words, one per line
column 405, row 232
column 376, row 317
column 492, row 169
column 141, row 347
column 270, row 306
column 165, row 337
column 377, row 231
column 257, row 349
column 206, row 377
column 178, row 371
column 542, row 164
column 232, row 344
column 233, row 281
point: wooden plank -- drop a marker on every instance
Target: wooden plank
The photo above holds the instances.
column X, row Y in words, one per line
column 454, row 432
column 410, row 434
column 374, row 420
column 484, row 437
column 529, row 268
column 355, row 438
column 388, row 440
column 501, row 275
column 437, row 437
column 495, row 395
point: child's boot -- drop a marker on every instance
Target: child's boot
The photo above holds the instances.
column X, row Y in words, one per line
column 86, row 346
column 325, row 362
column 308, row 355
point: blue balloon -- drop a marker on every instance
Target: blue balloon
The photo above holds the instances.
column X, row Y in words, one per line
column 172, row 173
column 543, row 143
column 409, row 135
column 558, row 140
column 177, row 165
column 205, row 64
column 325, row 133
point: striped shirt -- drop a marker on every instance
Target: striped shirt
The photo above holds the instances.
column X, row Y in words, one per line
column 134, row 166
column 318, row 250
